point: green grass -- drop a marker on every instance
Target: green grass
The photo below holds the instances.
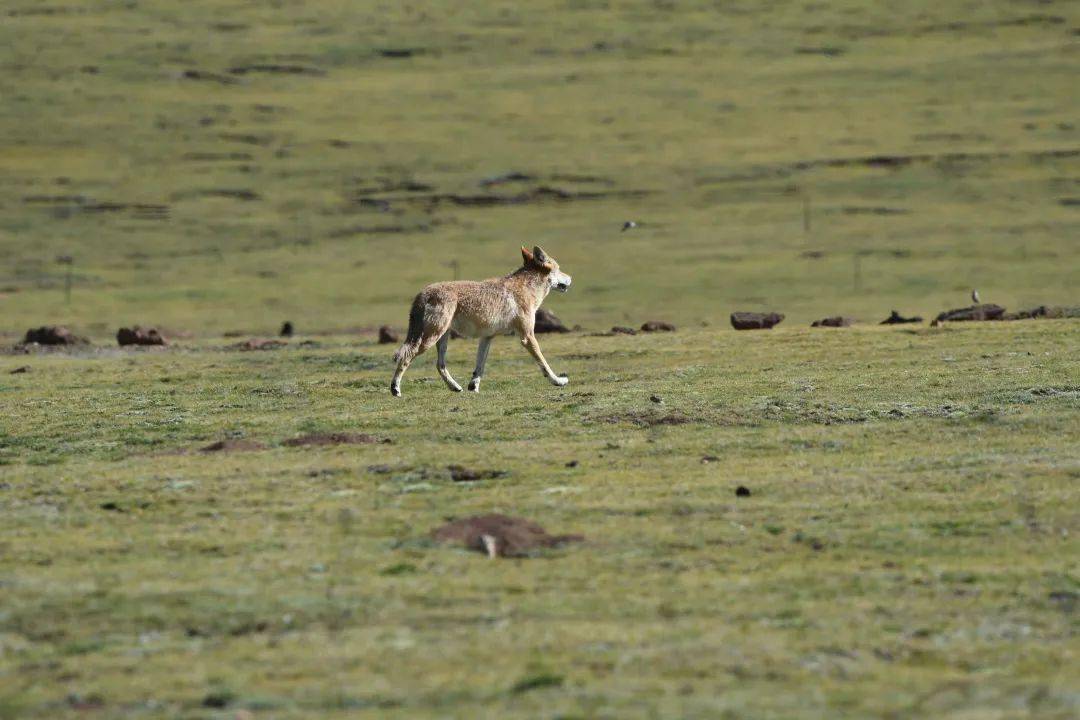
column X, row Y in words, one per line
column 909, row 547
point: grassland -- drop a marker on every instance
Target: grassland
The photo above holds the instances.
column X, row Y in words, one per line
column 909, row 546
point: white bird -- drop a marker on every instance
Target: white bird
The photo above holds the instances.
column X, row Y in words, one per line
column 628, row 225
column 975, row 297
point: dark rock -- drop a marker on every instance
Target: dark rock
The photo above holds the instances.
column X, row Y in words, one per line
column 53, row 335
column 459, row 473
column 975, row 313
column 657, row 326
column 755, row 320
column 572, row 464
column 709, row 459
column 547, row 322
column 388, row 335
column 20, row 370
column 500, row 535
column 139, row 336
column 623, row 330
column 836, row 321
column 742, row 491
column 287, row 329
column 896, row 318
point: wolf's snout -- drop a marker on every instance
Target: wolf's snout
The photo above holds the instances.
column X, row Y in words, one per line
column 563, row 285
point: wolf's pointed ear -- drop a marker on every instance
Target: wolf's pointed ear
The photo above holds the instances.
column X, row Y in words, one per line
column 526, row 255
column 539, row 254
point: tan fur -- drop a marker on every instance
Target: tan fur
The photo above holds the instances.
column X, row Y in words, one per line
column 483, row 310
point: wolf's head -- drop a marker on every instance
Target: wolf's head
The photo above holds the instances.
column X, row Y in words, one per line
column 541, row 262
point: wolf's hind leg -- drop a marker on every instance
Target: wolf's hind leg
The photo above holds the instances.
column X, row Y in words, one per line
column 481, row 360
column 441, row 345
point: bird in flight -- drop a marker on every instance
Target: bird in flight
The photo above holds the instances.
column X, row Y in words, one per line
column 629, row 224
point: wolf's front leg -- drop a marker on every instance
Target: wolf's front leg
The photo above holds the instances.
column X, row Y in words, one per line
column 529, row 341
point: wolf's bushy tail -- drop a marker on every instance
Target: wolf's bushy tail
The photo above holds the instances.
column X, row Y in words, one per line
column 416, row 330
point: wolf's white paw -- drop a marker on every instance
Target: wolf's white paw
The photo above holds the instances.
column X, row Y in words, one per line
column 560, row 380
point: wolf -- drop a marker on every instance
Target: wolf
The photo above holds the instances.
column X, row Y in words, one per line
column 483, row 310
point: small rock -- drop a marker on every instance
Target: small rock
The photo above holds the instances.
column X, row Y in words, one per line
column 755, row 320
column 835, row 321
column 139, row 336
column 896, row 318
column 53, row 335
column 459, row 473
column 388, row 335
column 709, row 459
column 232, row 446
column 547, row 322
column 572, row 464
column 287, row 329
column 742, row 491
column 656, row 399
column 20, row 370
column 657, row 326
column 623, row 330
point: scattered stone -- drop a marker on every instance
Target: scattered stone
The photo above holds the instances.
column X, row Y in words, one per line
column 388, row 335
column 287, row 329
column 742, row 491
column 656, row 399
column 547, row 322
column 340, row 438
column 500, row 535
column 836, row 321
column 755, row 320
column 53, row 335
column 709, row 459
column 459, row 473
column 975, row 313
column 260, row 344
column 20, row 370
column 380, row 469
column 233, row 446
column 572, row 464
column 896, row 318
column 623, row 330
column 139, row 336
column 657, row 326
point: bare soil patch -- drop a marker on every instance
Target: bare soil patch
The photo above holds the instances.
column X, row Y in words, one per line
column 500, row 535
column 338, row 438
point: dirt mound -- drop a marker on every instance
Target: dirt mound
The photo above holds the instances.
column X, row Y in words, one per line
column 53, row 335
column 1045, row 311
column 548, row 322
column 139, row 336
column 657, row 326
column 755, row 320
column 388, row 335
column 259, row 344
column 835, row 321
column 975, row 313
column 896, row 318
column 649, row 419
column 340, row 438
column 459, row 473
column 233, row 446
column 500, row 535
